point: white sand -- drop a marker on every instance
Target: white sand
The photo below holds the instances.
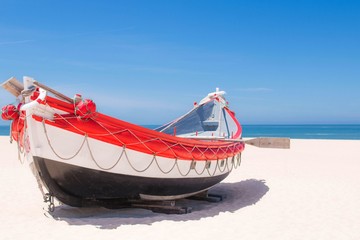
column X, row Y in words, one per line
column 309, row 192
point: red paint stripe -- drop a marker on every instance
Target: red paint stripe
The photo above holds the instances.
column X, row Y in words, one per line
column 142, row 139
column 239, row 131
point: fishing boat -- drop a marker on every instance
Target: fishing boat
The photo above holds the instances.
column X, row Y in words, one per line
column 85, row 158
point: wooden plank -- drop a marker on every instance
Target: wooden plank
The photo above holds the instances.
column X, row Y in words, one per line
column 262, row 142
column 267, row 142
column 13, row 86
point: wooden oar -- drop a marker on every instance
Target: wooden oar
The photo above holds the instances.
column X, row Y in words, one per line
column 268, row 142
column 13, row 86
column 261, row 142
column 56, row 93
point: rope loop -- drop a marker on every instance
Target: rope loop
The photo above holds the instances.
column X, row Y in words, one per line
column 222, row 165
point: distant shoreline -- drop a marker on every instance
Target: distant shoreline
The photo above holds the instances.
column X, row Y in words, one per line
column 293, row 131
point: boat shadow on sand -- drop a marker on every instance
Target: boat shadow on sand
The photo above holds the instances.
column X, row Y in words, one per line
column 238, row 195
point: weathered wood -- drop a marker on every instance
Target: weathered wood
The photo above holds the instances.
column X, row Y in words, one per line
column 209, row 197
column 267, row 142
column 262, row 142
column 163, row 208
column 13, row 86
column 56, row 93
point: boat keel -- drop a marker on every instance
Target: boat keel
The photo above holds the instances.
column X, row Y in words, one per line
column 75, row 186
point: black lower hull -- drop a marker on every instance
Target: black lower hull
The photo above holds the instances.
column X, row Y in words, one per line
column 78, row 186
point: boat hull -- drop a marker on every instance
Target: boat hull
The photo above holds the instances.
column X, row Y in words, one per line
column 84, row 158
column 80, row 187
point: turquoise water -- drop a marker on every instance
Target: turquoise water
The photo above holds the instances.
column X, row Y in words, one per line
column 350, row 132
column 4, row 130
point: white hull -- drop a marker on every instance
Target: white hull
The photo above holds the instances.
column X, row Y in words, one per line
column 70, row 148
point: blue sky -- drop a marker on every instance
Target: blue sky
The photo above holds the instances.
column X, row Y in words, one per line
column 147, row 61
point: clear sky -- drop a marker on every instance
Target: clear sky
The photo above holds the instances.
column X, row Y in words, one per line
column 147, row 61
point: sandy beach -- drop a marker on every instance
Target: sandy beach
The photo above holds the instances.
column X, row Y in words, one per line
column 308, row 192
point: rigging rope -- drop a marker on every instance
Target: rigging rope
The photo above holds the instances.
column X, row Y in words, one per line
column 225, row 165
column 154, row 159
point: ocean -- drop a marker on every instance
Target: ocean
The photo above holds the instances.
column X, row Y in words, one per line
column 319, row 131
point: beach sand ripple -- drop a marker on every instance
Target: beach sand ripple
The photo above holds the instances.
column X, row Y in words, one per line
column 308, row 192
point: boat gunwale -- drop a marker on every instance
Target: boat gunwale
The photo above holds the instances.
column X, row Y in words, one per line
column 114, row 122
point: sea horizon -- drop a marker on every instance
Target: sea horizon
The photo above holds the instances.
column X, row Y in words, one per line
column 294, row 131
